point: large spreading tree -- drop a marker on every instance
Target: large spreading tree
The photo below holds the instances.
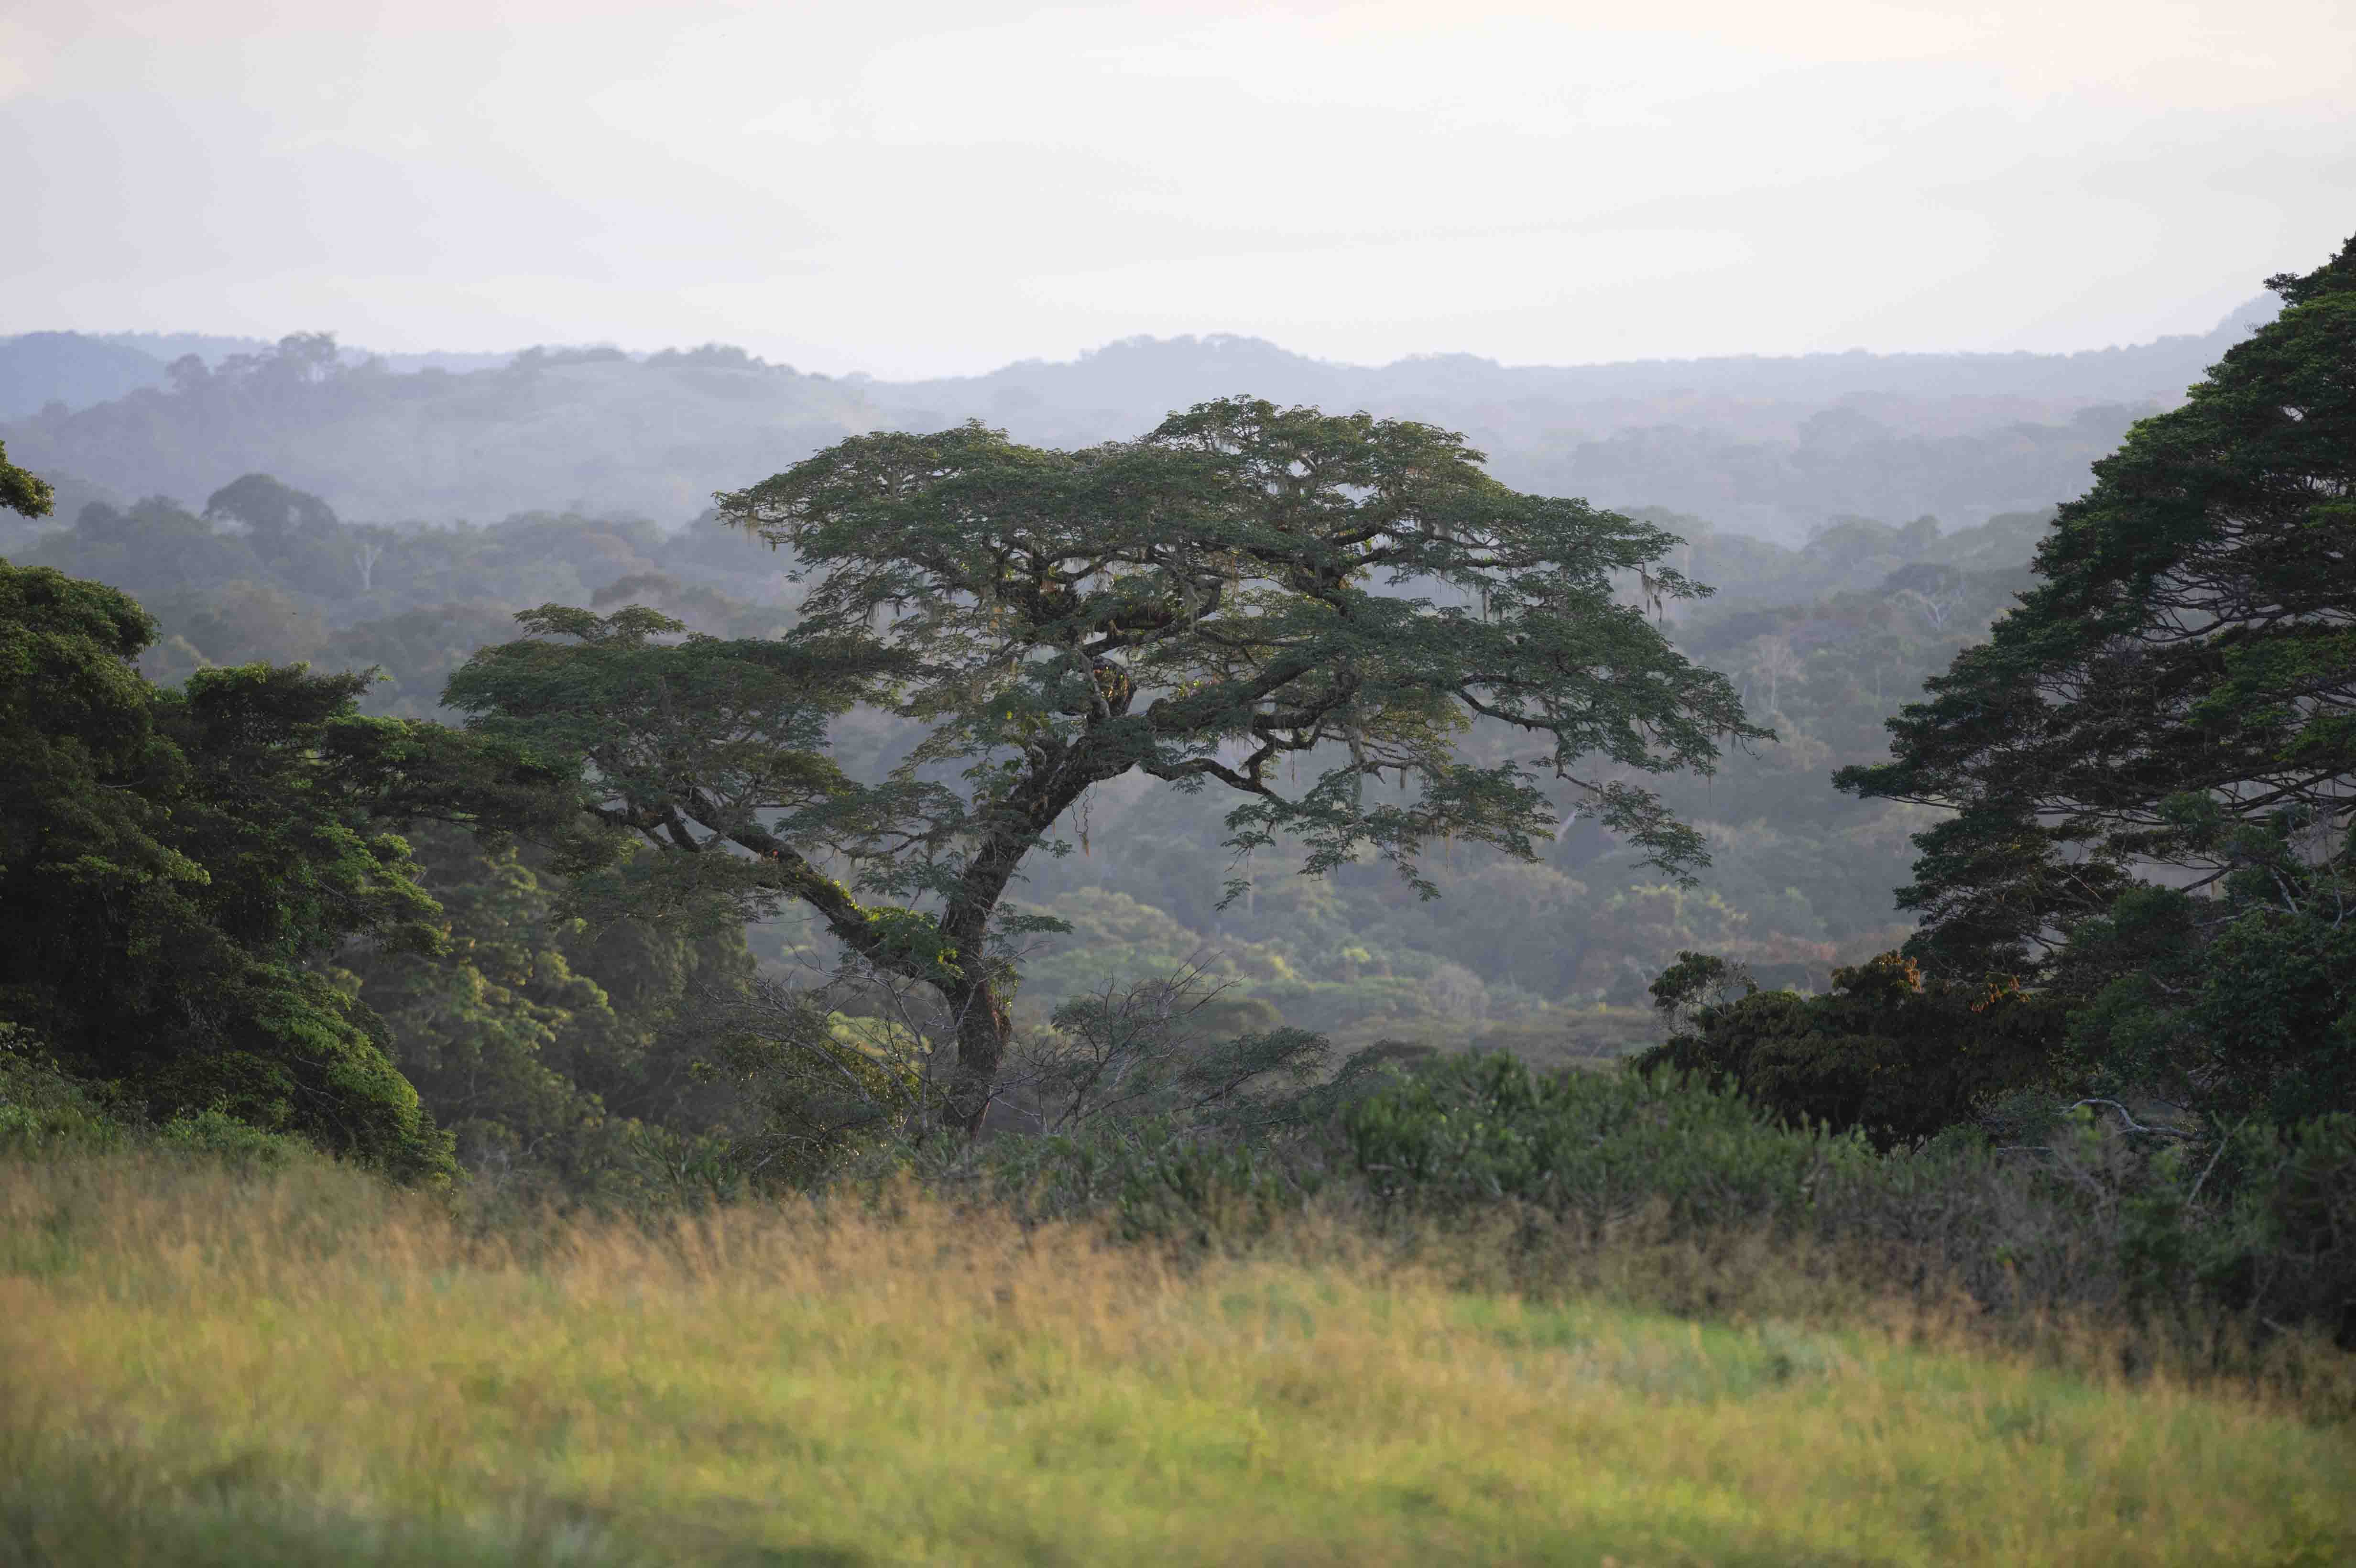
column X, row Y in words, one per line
column 2151, row 763
column 2192, row 637
column 1307, row 611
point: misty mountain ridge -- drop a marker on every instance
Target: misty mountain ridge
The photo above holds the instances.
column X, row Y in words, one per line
column 80, row 368
column 1131, row 374
column 2121, row 370
column 1775, row 446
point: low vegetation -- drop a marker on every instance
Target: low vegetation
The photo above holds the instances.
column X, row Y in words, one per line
column 305, row 1366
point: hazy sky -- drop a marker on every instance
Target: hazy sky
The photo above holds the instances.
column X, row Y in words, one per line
column 909, row 187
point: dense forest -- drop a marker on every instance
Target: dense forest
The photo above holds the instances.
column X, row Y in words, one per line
column 1824, row 640
column 931, row 779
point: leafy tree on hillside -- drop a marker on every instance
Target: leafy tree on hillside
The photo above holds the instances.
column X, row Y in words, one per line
column 173, row 862
column 270, row 509
column 2177, row 691
column 152, row 547
column 1244, row 589
column 24, row 494
column 305, row 545
column 2192, row 632
column 534, row 1040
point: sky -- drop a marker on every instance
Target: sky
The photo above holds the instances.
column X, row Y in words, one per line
column 911, row 188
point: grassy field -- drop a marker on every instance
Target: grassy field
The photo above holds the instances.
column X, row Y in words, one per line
column 199, row 1368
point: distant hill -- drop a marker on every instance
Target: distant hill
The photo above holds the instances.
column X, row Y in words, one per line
column 41, row 367
column 592, row 431
column 1134, row 381
column 80, row 368
column 1776, row 447
column 212, row 350
column 166, row 347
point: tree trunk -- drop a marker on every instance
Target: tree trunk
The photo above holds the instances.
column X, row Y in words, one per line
column 984, row 1022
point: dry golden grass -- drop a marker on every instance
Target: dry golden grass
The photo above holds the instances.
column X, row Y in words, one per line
column 305, row 1369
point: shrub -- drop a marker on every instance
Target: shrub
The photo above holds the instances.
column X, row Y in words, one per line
column 2094, row 1221
column 1886, row 1052
column 2284, row 1249
column 1154, row 1178
column 1473, row 1129
column 214, row 1133
column 42, row 1111
column 2239, row 1004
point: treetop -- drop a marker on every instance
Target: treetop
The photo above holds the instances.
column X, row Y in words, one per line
column 1277, row 579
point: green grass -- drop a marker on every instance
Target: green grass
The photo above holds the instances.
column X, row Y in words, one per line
column 296, row 1366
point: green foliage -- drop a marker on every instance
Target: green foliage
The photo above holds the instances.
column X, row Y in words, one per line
column 1166, row 1048
column 1798, row 877
column 25, row 495
column 2307, row 1249
column 2274, row 1243
column 419, row 600
column 1109, row 936
column 1155, row 1107
column 2187, row 635
column 2215, row 1246
column 42, row 1111
column 269, row 508
column 149, row 549
column 229, row 623
column 1149, row 1179
column 48, row 1114
column 1886, row 1052
column 214, row 1133
column 488, row 1024
column 559, row 1056
column 697, row 746
column 809, row 1087
column 171, row 860
column 1058, row 619
column 1477, row 1129
column 1228, row 563
column 1826, row 636
column 2237, row 1004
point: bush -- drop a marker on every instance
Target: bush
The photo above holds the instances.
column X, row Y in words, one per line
column 216, row 1135
column 2238, row 1004
column 42, row 1111
column 1155, row 1178
column 1475, row 1129
column 47, row 1114
column 1886, row 1051
column 2284, row 1248
column 2094, row 1222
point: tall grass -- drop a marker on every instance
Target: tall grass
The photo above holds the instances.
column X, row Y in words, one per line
column 299, row 1366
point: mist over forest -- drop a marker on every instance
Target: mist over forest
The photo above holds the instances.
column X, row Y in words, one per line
column 1298, row 717
column 1860, row 516
column 1776, row 448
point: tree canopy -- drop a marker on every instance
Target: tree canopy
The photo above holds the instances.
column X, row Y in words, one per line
column 2186, row 660
column 172, row 861
column 1242, row 592
column 24, row 494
